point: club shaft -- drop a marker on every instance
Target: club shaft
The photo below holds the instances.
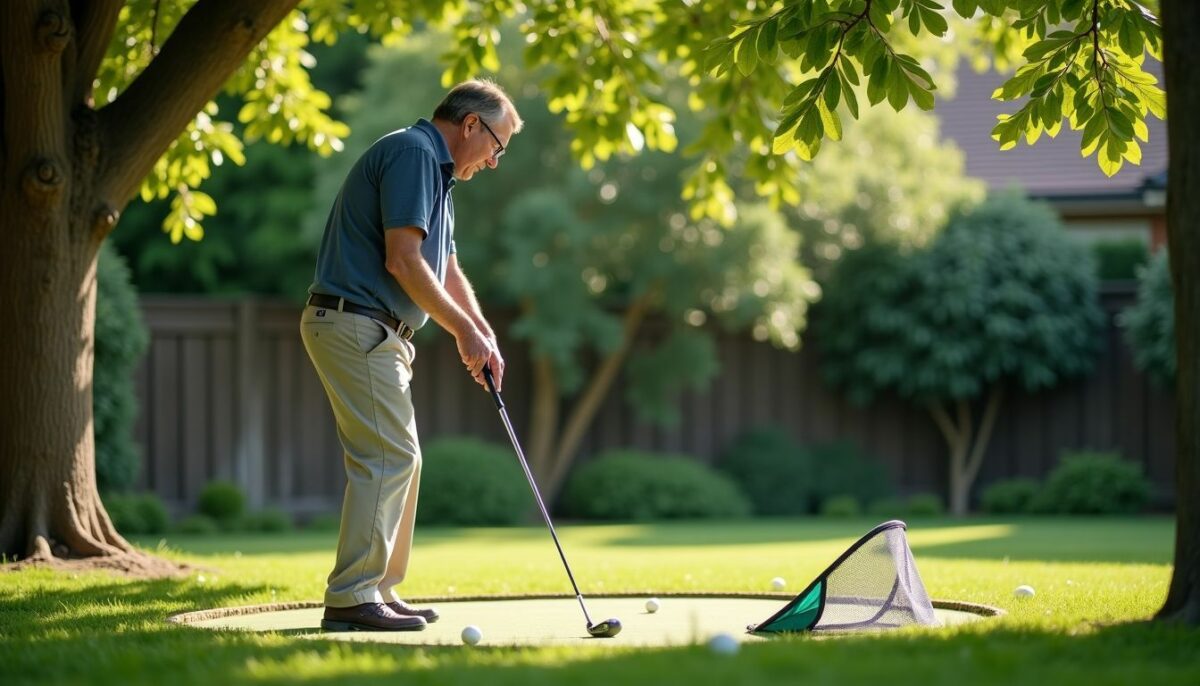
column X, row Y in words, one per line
column 512, row 435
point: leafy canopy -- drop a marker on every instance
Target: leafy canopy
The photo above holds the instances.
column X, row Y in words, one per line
column 770, row 90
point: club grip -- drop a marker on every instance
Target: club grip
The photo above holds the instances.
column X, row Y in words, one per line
column 491, row 384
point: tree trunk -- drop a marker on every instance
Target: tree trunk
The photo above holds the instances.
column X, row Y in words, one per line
column 67, row 170
column 1181, row 65
column 543, row 424
column 966, row 446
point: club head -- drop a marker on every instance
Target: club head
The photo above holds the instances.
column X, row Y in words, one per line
column 606, row 629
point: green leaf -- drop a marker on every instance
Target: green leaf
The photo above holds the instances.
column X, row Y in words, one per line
column 922, row 97
column 747, row 54
column 935, row 22
column 965, row 8
column 833, row 91
column 850, row 96
column 877, row 83
column 897, row 89
column 831, row 121
column 767, row 46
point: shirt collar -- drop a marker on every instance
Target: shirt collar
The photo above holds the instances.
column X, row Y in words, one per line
column 441, row 149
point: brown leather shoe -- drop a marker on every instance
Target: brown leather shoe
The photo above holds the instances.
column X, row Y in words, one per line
column 405, row 610
column 369, row 617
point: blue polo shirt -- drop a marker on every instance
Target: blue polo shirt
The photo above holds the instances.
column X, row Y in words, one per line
column 403, row 179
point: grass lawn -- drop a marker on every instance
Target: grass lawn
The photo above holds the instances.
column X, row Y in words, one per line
column 1096, row 581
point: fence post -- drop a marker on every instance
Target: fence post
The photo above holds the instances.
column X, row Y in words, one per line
column 249, row 471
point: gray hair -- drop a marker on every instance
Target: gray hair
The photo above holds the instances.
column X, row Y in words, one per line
column 481, row 97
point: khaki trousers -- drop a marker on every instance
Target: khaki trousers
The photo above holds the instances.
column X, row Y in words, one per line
column 366, row 369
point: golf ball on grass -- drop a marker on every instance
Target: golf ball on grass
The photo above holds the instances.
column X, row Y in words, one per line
column 652, row 605
column 723, row 644
column 471, row 635
column 1023, row 591
column 778, row 583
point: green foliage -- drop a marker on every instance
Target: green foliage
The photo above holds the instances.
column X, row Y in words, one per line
column 1149, row 323
column 142, row 513
column 770, row 469
column 1093, row 483
column 224, row 501
column 324, row 522
column 198, row 525
column 841, row 506
column 1083, row 63
column 121, row 340
column 1120, row 260
column 926, row 505
column 270, row 520
column 782, row 477
column 637, row 486
column 1001, row 295
column 471, row 483
column 1011, row 496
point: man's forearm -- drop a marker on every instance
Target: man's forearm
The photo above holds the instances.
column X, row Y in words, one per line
column 421, row 284
column 459, row 289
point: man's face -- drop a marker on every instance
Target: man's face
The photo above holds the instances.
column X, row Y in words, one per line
column 483, row 142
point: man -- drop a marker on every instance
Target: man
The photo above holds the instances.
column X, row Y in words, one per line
column 386, row 265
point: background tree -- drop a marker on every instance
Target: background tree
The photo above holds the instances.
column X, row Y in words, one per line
column 1149, row 323
column 1001, row 298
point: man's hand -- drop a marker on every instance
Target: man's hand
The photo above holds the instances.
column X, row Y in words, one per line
column 496, row 362
column 475, row 350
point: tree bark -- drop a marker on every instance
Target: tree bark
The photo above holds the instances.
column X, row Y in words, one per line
column 66, row 173
column 966, row 446
column 1181, row 67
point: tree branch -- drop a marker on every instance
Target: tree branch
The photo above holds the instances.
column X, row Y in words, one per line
column 94, row 25
column 942, row 418
column 209, row 44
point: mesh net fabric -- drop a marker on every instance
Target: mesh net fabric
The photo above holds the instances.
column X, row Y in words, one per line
column 874, row 585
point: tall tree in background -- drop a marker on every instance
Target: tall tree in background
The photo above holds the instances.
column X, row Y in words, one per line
column 74, row 154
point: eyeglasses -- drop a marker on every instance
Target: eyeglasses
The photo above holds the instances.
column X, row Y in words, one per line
column 500, row 146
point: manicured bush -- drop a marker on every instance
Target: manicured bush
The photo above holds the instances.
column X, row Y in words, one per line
column 200, row 525
column 1149, row 324
column 925, row 505
column 772, row 470
column 1011, row 496
column 841, row 506
column 121, row 340
column 638, row 486
column 143, row 513
column 268, row 520
column 839, row 468
column 1093, row 483
column 224, row 502
column 1120, row 260
column 888, row 508
column 468, row 482
column 326, row 521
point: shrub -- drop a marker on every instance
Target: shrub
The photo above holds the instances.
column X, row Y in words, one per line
column 841, row 506
column 468, row 482
column 201, row 525
column 840, row 468
column 137, row 514
column 925, row 505
column 326, row 521
column 1149, row 324
column 1093, row 483
column 771, row 470
column 121, row 340
column 1120, row 260
column 1012, row 496
column 269, row 520
column 224, row 502
column 638, row 486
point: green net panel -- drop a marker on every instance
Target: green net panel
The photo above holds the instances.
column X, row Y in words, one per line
column 873, row 585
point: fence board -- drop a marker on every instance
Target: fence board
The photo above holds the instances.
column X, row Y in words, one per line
column 227, row 391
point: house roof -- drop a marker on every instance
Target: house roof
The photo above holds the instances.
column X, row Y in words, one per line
column 1052, row 167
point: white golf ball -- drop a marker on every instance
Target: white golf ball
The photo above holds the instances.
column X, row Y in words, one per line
column 1023, row 591
column 471, row 635
column 652, row 605
column 723, row 644
column 778, row 583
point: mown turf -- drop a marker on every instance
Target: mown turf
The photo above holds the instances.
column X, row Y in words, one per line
column 1097, row 580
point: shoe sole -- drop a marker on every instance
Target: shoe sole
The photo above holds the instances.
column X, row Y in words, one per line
column 332, row 625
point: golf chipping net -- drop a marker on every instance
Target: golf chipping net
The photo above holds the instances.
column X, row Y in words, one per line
column 873, row 585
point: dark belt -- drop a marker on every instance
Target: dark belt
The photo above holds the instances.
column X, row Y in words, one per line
column 335, row 303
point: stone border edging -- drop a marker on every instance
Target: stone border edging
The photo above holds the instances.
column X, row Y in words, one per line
column 188, row 618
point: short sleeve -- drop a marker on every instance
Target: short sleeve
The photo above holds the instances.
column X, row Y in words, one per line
column 408, row 188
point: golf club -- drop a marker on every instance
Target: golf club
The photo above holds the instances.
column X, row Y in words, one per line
column 609, row 627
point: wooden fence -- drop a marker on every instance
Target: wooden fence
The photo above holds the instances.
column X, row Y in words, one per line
column 226, row 391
